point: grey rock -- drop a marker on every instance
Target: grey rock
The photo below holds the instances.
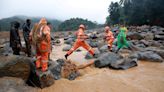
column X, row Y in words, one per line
column 104, row 49
column 125, row 63
column 106, row 59
column 89, row 56
column 67, row 48
column 134, row 36
column 150, row 56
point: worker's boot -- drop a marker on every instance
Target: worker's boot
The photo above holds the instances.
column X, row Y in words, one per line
column 110, row 48
column 117, row 50
column 66, row 56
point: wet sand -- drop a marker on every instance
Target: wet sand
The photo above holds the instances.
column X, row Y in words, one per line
column 146, row 77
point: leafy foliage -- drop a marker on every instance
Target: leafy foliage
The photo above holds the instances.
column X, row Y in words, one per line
column 73, row 24
column 137, row 12
column 6, row 22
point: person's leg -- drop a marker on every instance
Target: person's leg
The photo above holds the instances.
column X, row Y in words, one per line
column 88, row 48
column 75, row 46
column 16, row 51
column 38, row 60
column 118, row 49
column 28, row 46
column 44, row 61
column 110, row 43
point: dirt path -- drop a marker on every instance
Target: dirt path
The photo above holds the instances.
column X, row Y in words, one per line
column 147, row 77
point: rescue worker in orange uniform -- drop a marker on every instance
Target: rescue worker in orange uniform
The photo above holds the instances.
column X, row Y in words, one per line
column 42, row 45
column 109, row 37
column 80, row 42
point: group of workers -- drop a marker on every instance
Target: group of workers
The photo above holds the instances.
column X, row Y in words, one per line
column 39, row 39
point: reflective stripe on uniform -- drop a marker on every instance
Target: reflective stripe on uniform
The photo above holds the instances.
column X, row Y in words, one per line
column 44, row 61
column 90, row 49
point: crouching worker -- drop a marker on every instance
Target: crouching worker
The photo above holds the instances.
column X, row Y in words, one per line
column 109, row 37
column 41, row 40
column 80, row 42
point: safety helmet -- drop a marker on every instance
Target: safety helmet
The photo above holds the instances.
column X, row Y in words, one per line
column 43, row 21
column 82, row 26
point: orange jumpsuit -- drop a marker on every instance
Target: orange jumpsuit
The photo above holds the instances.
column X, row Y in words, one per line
column 80, row 42
column 109, row 38
column 43, row 48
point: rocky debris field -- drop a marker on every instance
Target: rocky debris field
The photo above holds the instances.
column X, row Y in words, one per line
column 147, row 43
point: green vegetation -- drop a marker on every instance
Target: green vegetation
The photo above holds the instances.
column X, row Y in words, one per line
column 5, row 23
column 73, row 23
column 136, row 12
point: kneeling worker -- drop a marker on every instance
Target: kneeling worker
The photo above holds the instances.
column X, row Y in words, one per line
column 80, row 42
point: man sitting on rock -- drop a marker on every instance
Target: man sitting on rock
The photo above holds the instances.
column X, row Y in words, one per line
column 80, row 42
column 109, row 37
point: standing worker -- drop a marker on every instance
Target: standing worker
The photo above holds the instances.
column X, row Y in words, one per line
column 15, row 41
column 26, row 31
column 42, row 44
column 50, row 26
column 80, row 42
column 109, row 37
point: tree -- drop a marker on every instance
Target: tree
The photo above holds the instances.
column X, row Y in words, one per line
column 137, row 12
column 73, row 23
column 114, row 13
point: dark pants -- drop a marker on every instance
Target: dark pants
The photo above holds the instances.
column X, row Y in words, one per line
column 16, row 51
column 28, row 48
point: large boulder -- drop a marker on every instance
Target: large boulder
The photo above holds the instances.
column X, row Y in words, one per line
column 89, row 56
column 156, row 50
column 106, row 59
column 24, row 68
column 116, row 61
column 124, row 63
column 15, row 66
column 150, row 56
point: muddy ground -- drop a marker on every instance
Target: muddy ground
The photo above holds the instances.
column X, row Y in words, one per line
column 146, row 77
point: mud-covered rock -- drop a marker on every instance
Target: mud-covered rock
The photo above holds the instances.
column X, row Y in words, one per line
column 69, row 70
column 15, row 66
column 24, row 68
column 64, row 69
